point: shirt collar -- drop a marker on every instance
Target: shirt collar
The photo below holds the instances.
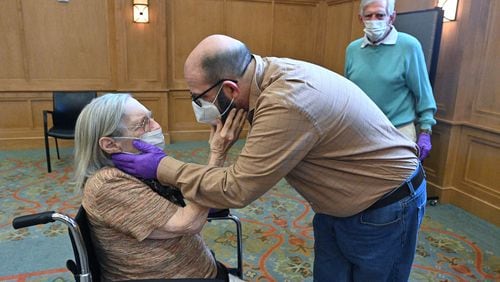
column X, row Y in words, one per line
column 390, row 39
column 256, row 82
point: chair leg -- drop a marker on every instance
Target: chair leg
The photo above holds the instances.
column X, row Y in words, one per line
column 47, row 153
column 57, row 149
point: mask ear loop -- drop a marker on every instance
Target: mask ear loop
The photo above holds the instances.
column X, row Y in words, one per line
column 126, row 137
column 216, row 96
column 228, row 107
column 220, row 88
column 218, row 92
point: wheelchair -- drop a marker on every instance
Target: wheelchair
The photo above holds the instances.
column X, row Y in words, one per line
column 85, row 267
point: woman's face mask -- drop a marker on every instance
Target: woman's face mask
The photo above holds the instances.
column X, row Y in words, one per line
column 208, row 112
column 375, row 29
column 154, row 137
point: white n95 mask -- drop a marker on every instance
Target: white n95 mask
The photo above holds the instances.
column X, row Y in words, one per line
column 208, row 112
column 154, row 137
column 375, row 29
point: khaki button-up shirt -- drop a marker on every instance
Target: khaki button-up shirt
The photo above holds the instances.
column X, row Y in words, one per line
column 316, row 129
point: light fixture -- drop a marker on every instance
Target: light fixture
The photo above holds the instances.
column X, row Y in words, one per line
column 141, row 13
column 450, row 9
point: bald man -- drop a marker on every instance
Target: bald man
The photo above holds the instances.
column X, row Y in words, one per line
column 321, row 133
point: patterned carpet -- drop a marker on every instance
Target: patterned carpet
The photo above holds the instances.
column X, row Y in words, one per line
column 278, row 240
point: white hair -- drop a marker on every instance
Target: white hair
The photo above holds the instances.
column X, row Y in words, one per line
column 389, row 7
column 101, row 117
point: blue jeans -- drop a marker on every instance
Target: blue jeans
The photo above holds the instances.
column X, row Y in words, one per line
column 374, row 245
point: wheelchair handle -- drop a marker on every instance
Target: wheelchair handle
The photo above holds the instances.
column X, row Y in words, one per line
column 33, row 219
column 51, row 216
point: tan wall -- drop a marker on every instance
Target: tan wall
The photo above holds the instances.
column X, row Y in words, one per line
column 93, row 45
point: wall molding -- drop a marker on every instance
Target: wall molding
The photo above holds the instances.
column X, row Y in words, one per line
column 466, row 201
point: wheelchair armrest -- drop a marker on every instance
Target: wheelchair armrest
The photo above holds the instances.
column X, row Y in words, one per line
column 214, row 213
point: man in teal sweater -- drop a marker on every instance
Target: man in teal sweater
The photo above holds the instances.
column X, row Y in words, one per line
column 389, row 67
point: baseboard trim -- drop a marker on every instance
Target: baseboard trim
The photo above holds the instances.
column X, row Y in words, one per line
column 470, row 203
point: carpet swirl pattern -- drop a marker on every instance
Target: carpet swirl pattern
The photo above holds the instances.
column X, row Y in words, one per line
column 277, row 231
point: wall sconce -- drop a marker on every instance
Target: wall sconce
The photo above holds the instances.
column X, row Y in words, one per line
column 141, row 13
column 450, row 8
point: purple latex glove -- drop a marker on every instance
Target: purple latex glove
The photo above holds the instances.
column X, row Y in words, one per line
column 424, row 144
column 142, row 165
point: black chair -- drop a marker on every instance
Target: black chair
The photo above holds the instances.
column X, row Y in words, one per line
column 66, row 108
column 85, row 266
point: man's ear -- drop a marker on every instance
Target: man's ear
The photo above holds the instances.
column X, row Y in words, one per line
column 231, row 89
column 109, row 145
column 360, row 18
column 393, row 18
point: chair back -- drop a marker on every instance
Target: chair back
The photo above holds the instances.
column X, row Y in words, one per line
column 84, row 226
column 67, row 107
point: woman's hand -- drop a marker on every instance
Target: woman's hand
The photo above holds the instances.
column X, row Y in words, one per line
column 223, row 136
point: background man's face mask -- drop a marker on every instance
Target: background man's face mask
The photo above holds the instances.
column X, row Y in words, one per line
column 208, row 112
column 375, row 29
column 154, row 137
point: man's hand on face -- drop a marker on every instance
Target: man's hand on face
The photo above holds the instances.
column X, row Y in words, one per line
column 223, row 136
column 142, row 165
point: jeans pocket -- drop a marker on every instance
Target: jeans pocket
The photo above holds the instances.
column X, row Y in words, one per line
column 382, row 216
column 421, row 208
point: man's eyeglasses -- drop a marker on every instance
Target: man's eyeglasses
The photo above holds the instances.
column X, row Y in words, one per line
column 196, row 97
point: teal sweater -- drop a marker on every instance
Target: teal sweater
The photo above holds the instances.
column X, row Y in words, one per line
column 395, row 77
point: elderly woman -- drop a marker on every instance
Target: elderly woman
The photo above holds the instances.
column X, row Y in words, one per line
column 137, row 232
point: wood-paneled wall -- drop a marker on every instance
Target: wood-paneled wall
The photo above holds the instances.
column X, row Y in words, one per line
column 94, row 45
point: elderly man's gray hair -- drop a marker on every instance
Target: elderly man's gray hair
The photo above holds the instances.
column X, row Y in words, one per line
column 389, row 6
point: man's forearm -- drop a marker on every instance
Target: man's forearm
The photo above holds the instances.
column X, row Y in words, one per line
column 216, row 159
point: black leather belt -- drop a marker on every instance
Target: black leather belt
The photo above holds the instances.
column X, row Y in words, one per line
column 402, row 191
